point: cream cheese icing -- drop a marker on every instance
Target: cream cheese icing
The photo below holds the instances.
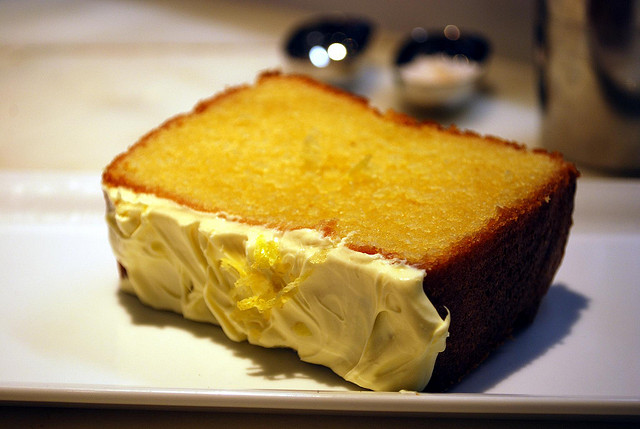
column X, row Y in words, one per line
column 365, row 317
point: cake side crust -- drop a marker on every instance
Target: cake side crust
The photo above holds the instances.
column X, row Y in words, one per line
column 494, row 285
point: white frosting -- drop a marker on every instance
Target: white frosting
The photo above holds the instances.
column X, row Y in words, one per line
column 365, row 317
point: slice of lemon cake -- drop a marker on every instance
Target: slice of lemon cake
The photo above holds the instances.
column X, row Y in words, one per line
column 292, row 214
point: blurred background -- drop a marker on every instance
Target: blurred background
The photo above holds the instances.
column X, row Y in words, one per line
column 507, row 22
column 82, row 80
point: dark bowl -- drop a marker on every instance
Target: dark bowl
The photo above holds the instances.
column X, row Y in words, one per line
column 307, row 46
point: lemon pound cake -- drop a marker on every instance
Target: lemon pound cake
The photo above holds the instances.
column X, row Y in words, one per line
column 292, row 214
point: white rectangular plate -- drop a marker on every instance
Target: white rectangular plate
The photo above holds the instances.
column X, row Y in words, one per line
column 69, row 336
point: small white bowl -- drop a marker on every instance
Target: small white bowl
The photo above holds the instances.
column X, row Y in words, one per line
column 440, row 68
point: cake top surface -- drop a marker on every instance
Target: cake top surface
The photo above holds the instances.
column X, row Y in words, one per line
column 291, row 153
